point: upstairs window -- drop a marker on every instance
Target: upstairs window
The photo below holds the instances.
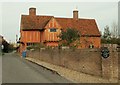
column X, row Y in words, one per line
column 53, row 30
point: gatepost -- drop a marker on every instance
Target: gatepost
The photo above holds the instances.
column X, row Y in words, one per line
column 110, row 65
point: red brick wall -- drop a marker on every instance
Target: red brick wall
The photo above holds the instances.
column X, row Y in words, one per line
column 86, row 41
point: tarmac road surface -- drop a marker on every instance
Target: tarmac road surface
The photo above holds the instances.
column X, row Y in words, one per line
column 18, row 70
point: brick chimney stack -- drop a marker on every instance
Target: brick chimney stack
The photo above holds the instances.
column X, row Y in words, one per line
column 75, row 14
column 32, row 11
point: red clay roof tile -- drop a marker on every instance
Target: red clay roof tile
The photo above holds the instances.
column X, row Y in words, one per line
column 34, row 22
column 85, row 26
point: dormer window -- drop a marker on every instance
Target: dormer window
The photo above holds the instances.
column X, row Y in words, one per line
column 53, row 29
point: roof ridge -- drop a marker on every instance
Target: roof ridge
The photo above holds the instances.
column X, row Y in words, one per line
column 61, row 17
column 43, row 16
column 74, row 19
column 38, row 15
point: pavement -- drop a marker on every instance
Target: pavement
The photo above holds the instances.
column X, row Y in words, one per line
column 18, row 70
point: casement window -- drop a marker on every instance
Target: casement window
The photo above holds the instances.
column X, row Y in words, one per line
column 53, row 29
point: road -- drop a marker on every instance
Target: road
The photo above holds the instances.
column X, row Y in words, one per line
column 0, row 68
column 18, row 70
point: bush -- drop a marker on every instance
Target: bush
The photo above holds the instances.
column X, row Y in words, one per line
column 69, row 36
column 36, row 46
column 111, row 41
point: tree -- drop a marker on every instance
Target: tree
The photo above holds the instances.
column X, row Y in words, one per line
column 107, row 34
column 69, row 36
column 111, row 37
column 114, row 30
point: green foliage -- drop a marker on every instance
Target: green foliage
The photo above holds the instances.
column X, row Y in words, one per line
column 69, row 36
column 107, row 39
column 11, row 47
column 107, row 34
column 36, row 46
column 111, row 41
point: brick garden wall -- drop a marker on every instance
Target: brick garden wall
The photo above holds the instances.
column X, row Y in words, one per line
column 86, row 61
column 119, row 62
column 110, row 65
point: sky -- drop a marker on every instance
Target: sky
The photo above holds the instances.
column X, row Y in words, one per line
column 119, row 18
column 105, row 13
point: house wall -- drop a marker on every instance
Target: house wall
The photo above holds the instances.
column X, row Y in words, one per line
column 86, row 41
column 51, row 44
column 51, row 37
column 30, row 36
column 42, row 36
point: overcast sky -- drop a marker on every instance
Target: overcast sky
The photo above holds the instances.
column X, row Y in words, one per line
column 105, row 13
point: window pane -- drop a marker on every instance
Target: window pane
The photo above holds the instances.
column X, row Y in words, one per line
column 52, row 30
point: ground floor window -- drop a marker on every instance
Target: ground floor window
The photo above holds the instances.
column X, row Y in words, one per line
column 30, row 44
column 91, row 46
column 33, row 44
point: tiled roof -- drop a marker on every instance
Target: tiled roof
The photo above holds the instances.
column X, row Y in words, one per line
column 86, row 26
column 34, row 22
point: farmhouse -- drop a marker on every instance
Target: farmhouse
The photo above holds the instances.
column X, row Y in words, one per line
column 45, row 29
